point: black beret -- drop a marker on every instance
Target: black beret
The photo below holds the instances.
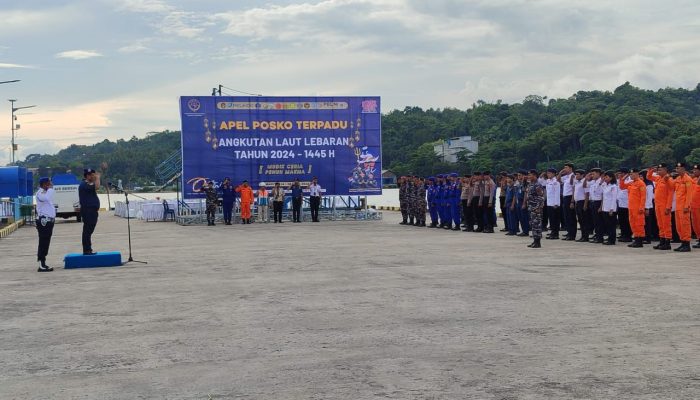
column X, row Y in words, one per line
column 580, row 171
column 533, row 171
column 662, row 165
column 596, row 169
column 522, row 171
column 623, row 170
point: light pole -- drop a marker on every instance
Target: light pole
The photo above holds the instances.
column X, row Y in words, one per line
column 15, row 127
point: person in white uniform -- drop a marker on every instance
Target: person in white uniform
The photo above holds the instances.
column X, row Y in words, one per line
column 46, row 216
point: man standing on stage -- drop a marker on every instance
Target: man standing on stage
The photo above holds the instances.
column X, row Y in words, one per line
column 89, row 207
column 314, row 198
column 247, row 199
column 212, row 198
column 228, row 196
column 46, row 215
column 297, row 200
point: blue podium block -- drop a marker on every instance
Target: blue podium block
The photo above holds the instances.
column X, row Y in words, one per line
column 101, row 259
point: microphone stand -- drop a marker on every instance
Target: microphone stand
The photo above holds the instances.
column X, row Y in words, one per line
column 128, row 220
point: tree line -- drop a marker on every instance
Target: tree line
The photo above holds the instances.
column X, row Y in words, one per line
column 626, row 127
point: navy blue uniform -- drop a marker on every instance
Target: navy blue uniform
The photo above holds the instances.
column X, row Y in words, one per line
column 228, row 196
column 89, row 207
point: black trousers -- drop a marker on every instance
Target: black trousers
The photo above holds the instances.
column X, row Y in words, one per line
column 477, row 215
column 610, row 225
column 296, row 209
column 569, row 216
column 45, row 233
column 584, row 219
column 489, row 217
column 597, row 219
column 314, row 204
column 466, row 210
column 623, row 218
column 553, row 215
column 651, row 226
column 277, row 210
column 89, row 217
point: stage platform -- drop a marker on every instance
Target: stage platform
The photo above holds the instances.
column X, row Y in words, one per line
column 101, row 259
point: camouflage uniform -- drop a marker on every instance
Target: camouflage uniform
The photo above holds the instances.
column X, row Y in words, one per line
column 403, row 201
column 535, row 204
column 212, row 200
column 422, row 204
column 412, row 206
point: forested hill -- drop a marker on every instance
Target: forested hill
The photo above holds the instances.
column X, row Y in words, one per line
column 132, row 160
column 626, row 127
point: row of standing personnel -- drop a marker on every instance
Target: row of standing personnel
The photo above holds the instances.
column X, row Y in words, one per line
column 635, row 200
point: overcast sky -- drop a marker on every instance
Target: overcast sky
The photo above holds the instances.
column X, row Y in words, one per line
column 115, row 68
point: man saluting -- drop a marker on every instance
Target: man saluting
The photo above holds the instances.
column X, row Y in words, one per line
column 89, row 206
column 44, row 225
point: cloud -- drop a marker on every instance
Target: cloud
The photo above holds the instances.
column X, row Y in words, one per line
column 145, row 6
column 78, row 54
column 11, row 65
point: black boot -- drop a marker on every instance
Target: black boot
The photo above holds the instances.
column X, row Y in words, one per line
column 697, row 245
column 666, row 245
column 43, row 267
column 410, row 222
column 636, row 243
column 404, row 222
column 536, row 244
column 683, row 248
column 660, row 245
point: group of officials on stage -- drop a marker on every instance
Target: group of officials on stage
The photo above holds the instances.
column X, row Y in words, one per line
column 658, row 203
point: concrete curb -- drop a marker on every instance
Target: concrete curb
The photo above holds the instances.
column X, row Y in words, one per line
column 6, row 231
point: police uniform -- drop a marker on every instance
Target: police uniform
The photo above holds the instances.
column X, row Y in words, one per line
column 477, row 215
column 432, row 206
column 455, row 209
column 523, row 214
column 465, row 199
column 46, row 215
column 535, row 204
column 228, row 197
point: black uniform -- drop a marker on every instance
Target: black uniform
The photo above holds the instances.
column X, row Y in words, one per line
column 89, row 207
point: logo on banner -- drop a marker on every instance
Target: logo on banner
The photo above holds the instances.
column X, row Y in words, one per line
column 193, row 105
column 369, row 106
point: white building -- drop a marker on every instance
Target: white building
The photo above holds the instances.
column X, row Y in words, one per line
column 447, row 149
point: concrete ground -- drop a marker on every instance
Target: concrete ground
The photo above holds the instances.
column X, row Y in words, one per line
column 346, row 310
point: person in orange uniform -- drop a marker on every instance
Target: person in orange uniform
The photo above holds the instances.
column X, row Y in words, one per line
column 637, row 192
column 247, row 199
column 684, row 196
column 695, row 205
column 663, row 198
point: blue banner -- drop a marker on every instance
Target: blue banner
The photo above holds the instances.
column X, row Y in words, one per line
column 278, row 139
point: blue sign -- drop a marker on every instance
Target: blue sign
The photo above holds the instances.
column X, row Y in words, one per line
column 279, row 139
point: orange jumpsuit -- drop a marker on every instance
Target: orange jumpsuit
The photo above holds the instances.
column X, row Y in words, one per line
column 663, row 200
column 246, row 200
column 684, row 196
column 637, row 192
column 695, row 209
